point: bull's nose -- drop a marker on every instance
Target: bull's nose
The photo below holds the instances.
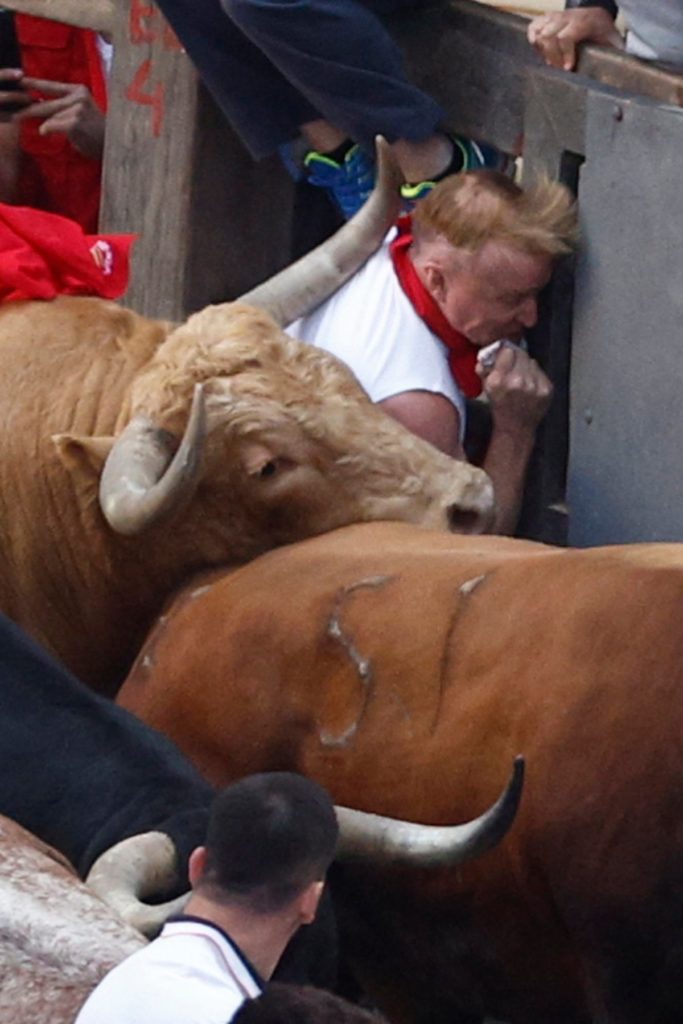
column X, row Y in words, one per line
column 463, row 520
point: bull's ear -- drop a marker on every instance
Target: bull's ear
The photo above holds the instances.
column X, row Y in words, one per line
column 256, row 457
column 86, row 454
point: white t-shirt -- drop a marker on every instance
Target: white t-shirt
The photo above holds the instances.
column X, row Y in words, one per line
column 655, row 29
column 191, row 974
column 371, row 325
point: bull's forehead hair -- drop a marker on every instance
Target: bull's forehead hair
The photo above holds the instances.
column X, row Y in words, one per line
column 243, row 348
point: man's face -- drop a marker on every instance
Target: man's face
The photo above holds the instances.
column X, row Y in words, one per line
column 493, row 293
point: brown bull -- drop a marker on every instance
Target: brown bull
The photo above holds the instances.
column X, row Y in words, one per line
column 133, row 454
column 403, row 669
column 57, row 939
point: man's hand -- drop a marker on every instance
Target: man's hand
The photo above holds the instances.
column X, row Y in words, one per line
column 557, row 35
column 73, row 111
column 11, row 100
column 518, row 391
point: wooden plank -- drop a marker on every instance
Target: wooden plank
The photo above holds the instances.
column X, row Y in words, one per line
column 95, row 14
column 473, row 58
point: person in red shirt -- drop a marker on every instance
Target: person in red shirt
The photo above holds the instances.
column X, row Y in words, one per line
column 51, row 145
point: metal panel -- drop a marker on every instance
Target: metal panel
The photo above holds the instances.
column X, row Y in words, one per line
column 626, row 457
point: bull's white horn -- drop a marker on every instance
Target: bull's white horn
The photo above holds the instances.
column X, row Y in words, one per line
column 142, row 481
column 372, row 838
column 146, row 864
column 299, row 288
column 137, row 867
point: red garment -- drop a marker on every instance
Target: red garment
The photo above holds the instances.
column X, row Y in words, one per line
column 43, row 255
column 462, row 354
column 55, row 176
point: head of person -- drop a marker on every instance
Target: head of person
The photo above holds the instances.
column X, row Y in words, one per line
column 484, row 248
column 301, row 1004
column 270, row 840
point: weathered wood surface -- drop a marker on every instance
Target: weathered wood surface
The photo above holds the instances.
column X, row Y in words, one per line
column 96, row 14
column 474, row 59
column 211, row 222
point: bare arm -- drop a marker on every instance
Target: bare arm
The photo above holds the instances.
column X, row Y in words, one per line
column 10, row 158
column 10, row 155
column 519, row 394
column 430, row 416
column 557, row 35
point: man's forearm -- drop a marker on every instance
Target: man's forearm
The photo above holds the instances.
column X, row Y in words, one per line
column 506, row 462
column 607, row 5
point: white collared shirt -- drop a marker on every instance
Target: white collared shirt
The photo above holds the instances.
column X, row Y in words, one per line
column 191, row 974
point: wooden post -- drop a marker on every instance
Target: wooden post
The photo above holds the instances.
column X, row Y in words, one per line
column 96, row 14
column 211, row 222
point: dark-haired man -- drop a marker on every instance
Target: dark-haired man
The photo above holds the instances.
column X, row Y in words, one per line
column 259, row 876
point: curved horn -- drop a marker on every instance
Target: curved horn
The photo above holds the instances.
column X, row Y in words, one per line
column 298, row 289
column 141, row 480
column 380, row 840
column 133, row 869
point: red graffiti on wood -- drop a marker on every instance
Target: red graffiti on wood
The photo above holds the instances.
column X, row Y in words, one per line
column 146, row 25
column 139, row 92
column 140, row 30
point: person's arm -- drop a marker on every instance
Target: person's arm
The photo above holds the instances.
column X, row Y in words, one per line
column 557, row 35
column 10, row 158
column 70, row 109
column 431, row 416
column 519, row 394
column 11, row 100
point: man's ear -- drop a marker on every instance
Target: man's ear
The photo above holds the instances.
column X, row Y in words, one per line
column 434, row 281
column 83, row 454
column 309, row 900
column 196, row 865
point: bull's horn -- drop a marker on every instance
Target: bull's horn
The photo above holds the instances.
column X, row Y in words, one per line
column 375, row 839
column 141, row 482
column 146, row 864
column 298, row 289
column 137, row 867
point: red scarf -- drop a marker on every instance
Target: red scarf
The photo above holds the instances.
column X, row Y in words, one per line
column 462, row 354
column 43, row 255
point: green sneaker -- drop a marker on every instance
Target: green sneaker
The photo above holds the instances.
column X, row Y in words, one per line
column 474, row 156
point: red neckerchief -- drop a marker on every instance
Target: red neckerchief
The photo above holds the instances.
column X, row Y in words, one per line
column 462, row 354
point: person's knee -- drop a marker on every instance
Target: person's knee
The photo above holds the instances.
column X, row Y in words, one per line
column 252, row 15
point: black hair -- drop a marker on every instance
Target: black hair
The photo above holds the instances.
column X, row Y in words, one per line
column 269, row 836
column 301, row 1004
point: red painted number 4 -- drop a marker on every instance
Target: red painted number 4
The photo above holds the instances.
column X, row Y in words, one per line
column 139, row 92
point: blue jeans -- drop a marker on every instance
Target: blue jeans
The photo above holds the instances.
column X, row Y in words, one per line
column 273, row 65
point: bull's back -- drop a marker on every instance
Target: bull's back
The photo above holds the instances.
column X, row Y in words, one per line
column 67, row 366
column 393, row 630
column 404, row 670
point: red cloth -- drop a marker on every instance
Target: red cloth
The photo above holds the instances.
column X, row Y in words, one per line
column 462, row 354
column 55, row 176
column 43, row 255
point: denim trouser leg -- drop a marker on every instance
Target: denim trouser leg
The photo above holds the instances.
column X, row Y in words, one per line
column 272, row 65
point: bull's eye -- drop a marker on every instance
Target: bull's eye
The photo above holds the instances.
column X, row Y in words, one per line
column 267, row 469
